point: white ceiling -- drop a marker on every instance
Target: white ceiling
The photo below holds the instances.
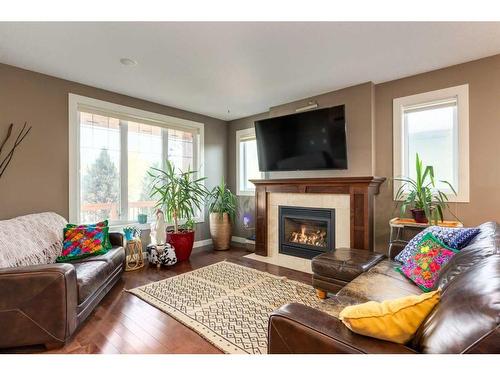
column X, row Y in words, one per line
column 232, row 70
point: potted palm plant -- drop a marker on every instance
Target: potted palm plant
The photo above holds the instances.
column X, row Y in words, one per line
column 222, row 207
column 425, row 201
column 179, row 194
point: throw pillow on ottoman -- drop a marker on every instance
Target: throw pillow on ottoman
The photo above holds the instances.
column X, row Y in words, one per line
column 161, row 255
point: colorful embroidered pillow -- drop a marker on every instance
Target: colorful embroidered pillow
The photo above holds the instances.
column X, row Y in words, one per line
column 101, row 224
column 456, row 238
column 83, row 241
column 423, row 268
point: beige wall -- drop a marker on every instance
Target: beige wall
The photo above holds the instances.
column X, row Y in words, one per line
column 370, row 106
column 483, row 77
column 37, row 178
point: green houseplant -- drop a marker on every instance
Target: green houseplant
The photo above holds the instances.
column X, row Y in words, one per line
column 180, row 194
column 425, row 201
column 222, row 206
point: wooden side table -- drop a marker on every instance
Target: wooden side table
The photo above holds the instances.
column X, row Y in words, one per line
column 134, row 256
column 403, row 230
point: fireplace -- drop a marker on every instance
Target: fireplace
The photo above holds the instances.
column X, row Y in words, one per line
column 306, row 232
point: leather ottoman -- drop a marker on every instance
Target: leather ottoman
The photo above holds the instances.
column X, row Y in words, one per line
column 334, row 269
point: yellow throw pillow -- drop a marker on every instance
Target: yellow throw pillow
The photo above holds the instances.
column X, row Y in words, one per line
column 394, row 320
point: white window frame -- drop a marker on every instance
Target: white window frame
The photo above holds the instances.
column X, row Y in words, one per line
column 78, row 103
column 243, row 135
column 461, row 95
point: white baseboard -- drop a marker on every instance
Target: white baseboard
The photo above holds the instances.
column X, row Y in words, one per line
column 207, row 242
column 202, row 243
column 244, row 241
column 233, row 239
column 238, row 239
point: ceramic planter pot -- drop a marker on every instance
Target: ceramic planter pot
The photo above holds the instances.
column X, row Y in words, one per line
column 220, row 230
column 182, row 243
column 419, row 215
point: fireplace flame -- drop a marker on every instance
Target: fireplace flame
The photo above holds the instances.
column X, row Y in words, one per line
column 314, row 237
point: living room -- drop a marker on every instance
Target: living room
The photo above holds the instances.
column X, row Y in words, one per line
column 250, row 188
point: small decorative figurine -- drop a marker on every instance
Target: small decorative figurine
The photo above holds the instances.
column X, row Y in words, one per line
column 159, row 230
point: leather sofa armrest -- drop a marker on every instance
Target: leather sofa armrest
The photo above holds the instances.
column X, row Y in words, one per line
column 296, row 328
column 116, row 238
column 61, row 268
column 37, row 304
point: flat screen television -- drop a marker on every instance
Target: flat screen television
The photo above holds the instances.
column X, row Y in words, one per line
column 310, row 140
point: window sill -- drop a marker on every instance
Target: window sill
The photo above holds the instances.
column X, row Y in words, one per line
column 147, row 226
column 452, row 198
column 118, row 227
column 248, row 193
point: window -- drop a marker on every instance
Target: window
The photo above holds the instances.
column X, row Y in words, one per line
column 247, row 164
column 436, row 126
column 113, row 147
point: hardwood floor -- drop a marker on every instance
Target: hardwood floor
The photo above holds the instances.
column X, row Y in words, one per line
column 123, row 323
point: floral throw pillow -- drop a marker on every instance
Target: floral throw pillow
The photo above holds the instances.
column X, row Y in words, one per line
column 83, row 241
column 456, row 238
column 423, row 267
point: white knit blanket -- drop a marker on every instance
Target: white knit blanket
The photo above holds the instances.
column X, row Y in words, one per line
column 31, row 239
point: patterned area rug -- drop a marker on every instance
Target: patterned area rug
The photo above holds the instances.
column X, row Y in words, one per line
column 227, row 304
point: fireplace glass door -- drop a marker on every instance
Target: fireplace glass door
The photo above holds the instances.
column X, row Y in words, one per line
column 306, row 232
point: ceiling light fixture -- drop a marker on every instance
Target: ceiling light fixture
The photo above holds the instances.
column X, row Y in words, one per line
column 128, row 62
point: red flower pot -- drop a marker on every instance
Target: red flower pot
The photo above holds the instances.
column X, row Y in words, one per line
column 419, row 215
column 182, row 243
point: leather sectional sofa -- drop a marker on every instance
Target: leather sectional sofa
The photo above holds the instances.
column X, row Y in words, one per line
column 466, row 320
column 45, row 304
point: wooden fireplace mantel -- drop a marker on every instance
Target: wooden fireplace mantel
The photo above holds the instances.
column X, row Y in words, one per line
column 361, row 191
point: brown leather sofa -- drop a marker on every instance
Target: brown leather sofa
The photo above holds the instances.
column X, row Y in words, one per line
column 466, row 319
column 45, row 304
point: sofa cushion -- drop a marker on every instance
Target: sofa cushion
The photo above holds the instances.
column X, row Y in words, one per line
column 89, row 278
column 100, row 267
column 380, row 283
column 114, row 258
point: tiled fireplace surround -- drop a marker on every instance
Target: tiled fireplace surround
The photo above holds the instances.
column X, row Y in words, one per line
column 351, row 197
column 340, row 202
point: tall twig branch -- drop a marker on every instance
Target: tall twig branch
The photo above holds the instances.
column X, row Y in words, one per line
column 20, row 137
column 9, row 132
